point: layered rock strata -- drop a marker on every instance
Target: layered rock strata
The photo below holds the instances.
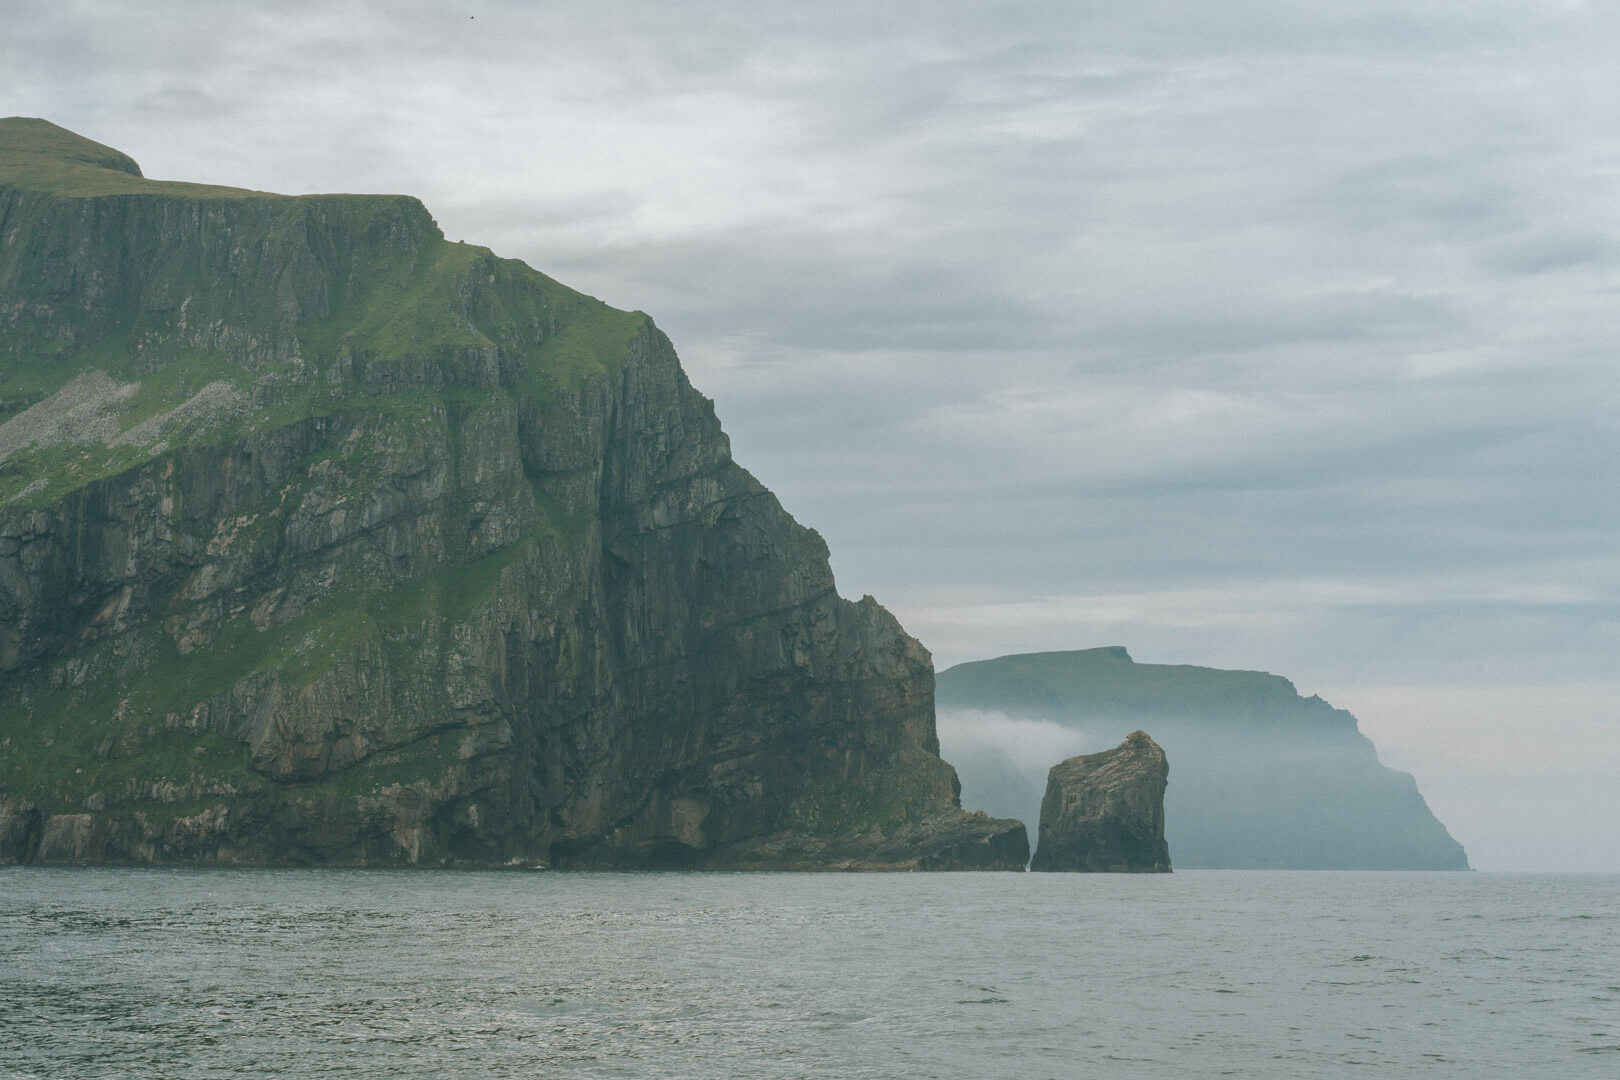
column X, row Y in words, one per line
column 324, row 540
column 1104, row 813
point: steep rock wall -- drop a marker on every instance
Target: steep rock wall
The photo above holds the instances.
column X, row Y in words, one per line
column 324, row 540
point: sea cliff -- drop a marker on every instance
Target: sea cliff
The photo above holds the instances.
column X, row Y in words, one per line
column 324, row 540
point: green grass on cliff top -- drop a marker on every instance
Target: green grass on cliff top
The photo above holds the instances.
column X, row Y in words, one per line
column 396, row 306
column 406, row 304
column 402, row 306
column 36, row 155
column 1099, row 679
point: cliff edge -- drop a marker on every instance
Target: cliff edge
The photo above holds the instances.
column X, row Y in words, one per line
column 324, row 540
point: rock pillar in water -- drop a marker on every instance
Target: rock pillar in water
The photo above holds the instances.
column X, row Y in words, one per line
column 1104, row 813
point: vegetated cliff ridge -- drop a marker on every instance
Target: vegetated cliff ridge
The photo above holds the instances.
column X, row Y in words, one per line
column 325, row 540
column 1104, row 813
column 1264, row 778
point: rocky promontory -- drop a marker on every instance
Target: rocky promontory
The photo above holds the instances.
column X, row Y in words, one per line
column 327, row 541
column 1104, row 813
column 1266, row 778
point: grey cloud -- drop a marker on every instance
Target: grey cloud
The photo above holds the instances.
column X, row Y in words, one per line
column 1550, row 252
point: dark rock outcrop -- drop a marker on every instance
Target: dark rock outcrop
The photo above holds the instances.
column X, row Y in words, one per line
column 326, row 541
column 1104, row 813
column 1265, row 778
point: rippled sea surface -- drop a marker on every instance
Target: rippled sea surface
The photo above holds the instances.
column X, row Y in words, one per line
column 248, row 974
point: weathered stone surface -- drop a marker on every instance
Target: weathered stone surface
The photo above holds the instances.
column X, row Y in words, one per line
column 474, row 579
column 1105, row 812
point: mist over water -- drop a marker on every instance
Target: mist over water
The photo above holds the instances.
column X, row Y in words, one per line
column 1260, row 777
column 256, row 974
column 1002, row 760
column 1031, row 746
column 1249, row 799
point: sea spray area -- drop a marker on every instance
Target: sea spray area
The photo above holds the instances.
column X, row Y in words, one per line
column 191, row 974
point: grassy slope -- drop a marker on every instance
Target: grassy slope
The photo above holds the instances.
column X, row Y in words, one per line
column 36, row 155
column 1103, row 680
column 397, row 304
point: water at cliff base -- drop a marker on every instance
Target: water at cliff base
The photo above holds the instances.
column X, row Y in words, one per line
column 250, row 974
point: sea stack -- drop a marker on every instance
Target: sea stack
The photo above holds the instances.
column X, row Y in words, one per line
column 1104, row 813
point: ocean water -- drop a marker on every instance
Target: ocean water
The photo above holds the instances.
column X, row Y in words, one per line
column 250, row 974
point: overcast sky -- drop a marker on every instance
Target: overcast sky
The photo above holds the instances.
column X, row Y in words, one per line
column 1261, row 334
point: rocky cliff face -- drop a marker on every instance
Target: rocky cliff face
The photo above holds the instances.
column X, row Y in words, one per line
column 324, row 540
column 1104, row 813
column 1265, row 778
